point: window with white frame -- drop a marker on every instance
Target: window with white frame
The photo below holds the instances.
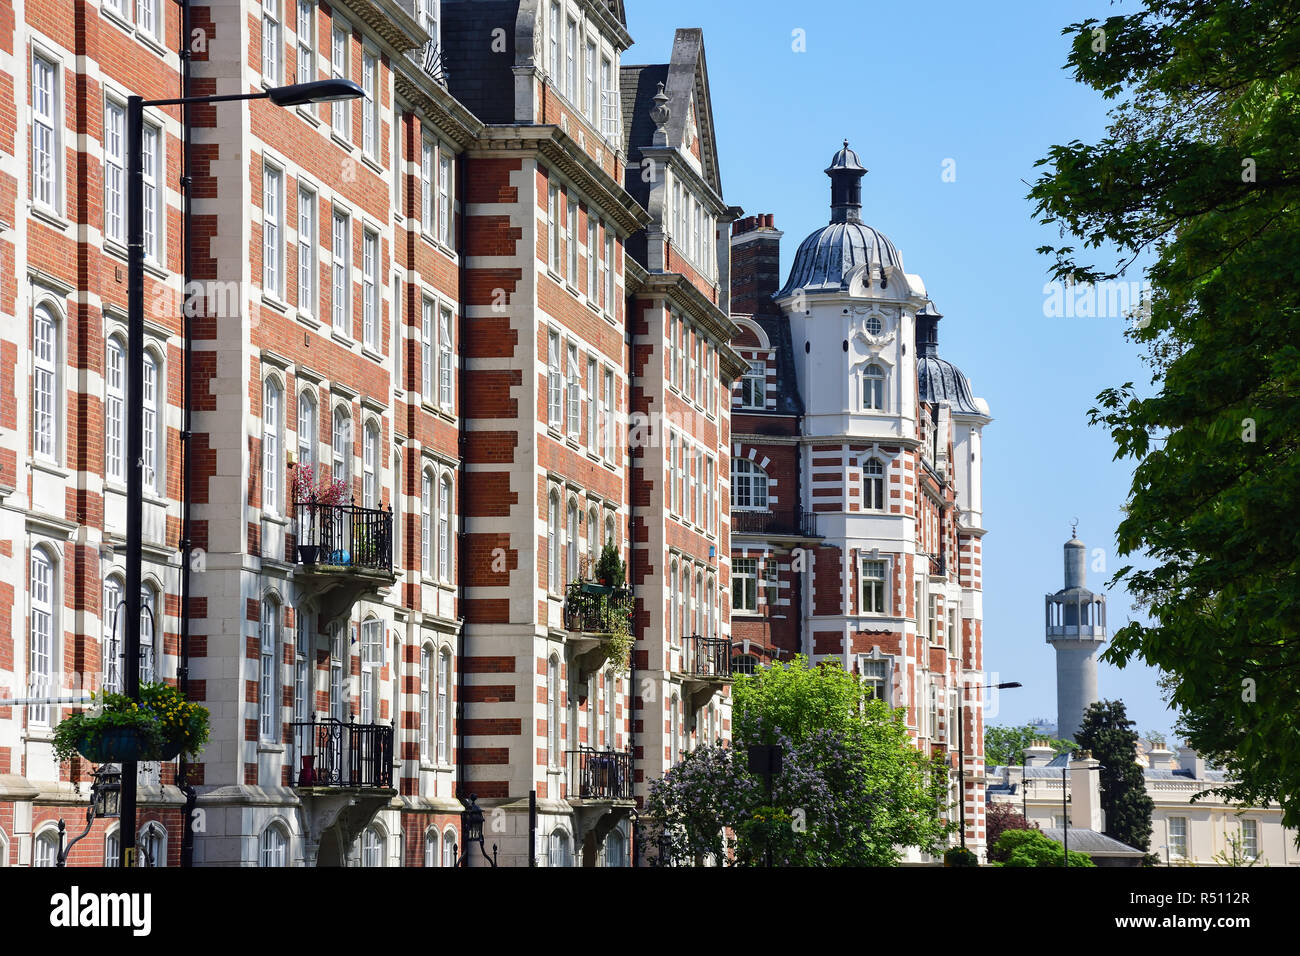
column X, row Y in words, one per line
column 674, row 601
column 932, row 618
column 873, row 387
column 426, row 694
column 273, row 849
column 952, row 631
column 608, row 300
column 553, row 542
column 608, row 99
column 306, row 249
column 114, row 409
column 426, row 349
column 592, row 395
column 340, row 110
column 372, row 659
column 933, row 724
column 152, row 844
column 591, row 257
column 40, row 642
column 46, row 364
column 341, row 447
column 370, row 103
column 370, row 289
column 692, row 362
column 1250, row 839
column 112, row 848
column 554, row 381
column 431, row 847
column 341, row 256
column 744, row 585
column 271, row 502
column 444, row 722
column 450, row 851
column 873, row 587
column 111, row 651
column 571, row 238
column 681, row 354
column 150, row 627
column 306, row 40
column 46, row 134
column 873, row 485
column 428, row 159
column 674, row 505
column 268, row 690
column 672, row 350
column 114, row 172
column 146, row 16
column 607, row 415
column 45, row 849
column 571, row 541
column 683, row 503
column 708, row 496
column 875, row 677
column 674, row 730
column 444, row 195
column 307, row 431
column 370, row 466
column 444, row 530
column 753, row 385
column 151, row 412
column 426, row 523
column 302, row 664
column 429, row 18
column 573, row 391
column 771, row 570
column 272, row 231
column 373, row 848
column 611, row 710
column 552, row 712
column 337, row 648
column 592, row 98
column 446, row 365
column 1178, row 837
column 748, row 485
column 553, row 227
column 272, row 43
column 571, row 60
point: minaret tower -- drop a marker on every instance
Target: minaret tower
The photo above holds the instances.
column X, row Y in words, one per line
column 1076, row 627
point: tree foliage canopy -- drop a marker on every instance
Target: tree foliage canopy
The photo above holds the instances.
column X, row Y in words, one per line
column 1034, row 848
column 1005, row 746
column 1199, row 170
column 1109, row 734
column 853, row 791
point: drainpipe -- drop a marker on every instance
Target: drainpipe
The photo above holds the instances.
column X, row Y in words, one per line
column 462, row 536
column 183, row 672
column 631, row 561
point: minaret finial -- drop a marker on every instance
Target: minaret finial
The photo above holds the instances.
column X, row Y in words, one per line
column 1074, row 528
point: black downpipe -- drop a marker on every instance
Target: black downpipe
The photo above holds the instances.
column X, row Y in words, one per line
column 462, row 336
column 183, row 673
column 629, row 364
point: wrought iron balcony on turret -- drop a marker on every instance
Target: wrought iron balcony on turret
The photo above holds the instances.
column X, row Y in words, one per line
column 705, row 667
column 345, row 553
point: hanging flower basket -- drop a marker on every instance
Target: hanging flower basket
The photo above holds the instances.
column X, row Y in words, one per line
column 159, row 726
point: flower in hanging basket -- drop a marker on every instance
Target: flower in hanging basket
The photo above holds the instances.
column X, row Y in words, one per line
column 159, row 726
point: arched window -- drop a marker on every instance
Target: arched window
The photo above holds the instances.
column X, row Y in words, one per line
column 674, row 598
column 697, row 608
column 571, row 541
column 342, row 445
column 553, row 712
column 150, row 628
column 873, row 387
column 111, row 652
column 748, row 485
column 426, row 694
column 152, row 845
column 708, row 609
column 307, row 431
column 373, row 847
column 431, row 846
column 152, row 470
column 112, row 847
column 274, row 849
column 450, row 852
column 40, row 645
column 444, row 723
column 114, row 410
column 685, row 584
column 591, row 711
column 268, row 693
column 372, row 659
column 559, row 849
column 614, row 849
column 46, row 362
column 873, row 485
column 611, row 710
column 45, row 849
column 609, row 530
column 426, row 523
column 553, row 543
column 593, row 541
column 444, row 530
column 303, row 658
column 370, row 466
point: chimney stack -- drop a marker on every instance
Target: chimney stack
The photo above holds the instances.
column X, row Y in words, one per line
column 755, row 264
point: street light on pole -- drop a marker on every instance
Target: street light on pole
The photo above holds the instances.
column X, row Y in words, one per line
column 961, row 748
column 296, row 94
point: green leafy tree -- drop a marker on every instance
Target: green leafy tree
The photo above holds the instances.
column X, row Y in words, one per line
column 1035, row 848
column 1109, row 735
column 853, row 790
column 998, row 819
column 1198, row 173
column 1005, row 746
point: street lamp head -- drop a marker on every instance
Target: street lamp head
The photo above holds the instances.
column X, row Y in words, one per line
column 1010, row 685
column 472, row 821
column 317, row 91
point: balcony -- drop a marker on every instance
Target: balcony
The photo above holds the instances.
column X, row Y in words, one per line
column 343, row 773
column 596, row 775
column 705, row 667
column 345, row 553
column 802, row 524
column 597, row 618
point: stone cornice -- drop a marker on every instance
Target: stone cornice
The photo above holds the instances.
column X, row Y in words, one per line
column 445, row 111
column 562, row 152
column 682, row 293
column 389, row 21
column 670, row 156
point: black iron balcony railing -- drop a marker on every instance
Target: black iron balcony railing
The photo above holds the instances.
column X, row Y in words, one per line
column 600, row 774
column 345, row 536
column 707, row 656
column 331, row 753
column 801, row 524
column 595, row 608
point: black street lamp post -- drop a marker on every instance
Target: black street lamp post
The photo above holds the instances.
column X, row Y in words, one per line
column 105, row 794
column 961, row 748
column 293, row 95
column 471, row 829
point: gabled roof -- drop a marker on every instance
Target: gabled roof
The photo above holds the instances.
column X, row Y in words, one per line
column 686, row 83
column 1092, row 843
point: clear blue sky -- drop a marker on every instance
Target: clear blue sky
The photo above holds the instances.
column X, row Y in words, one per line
column 911, row 86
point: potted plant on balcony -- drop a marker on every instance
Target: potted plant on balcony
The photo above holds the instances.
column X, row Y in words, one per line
column 312, row 493
column 159, row 726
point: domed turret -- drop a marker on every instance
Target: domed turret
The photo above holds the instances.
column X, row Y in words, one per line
column 828, row 256
column 938, row 380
